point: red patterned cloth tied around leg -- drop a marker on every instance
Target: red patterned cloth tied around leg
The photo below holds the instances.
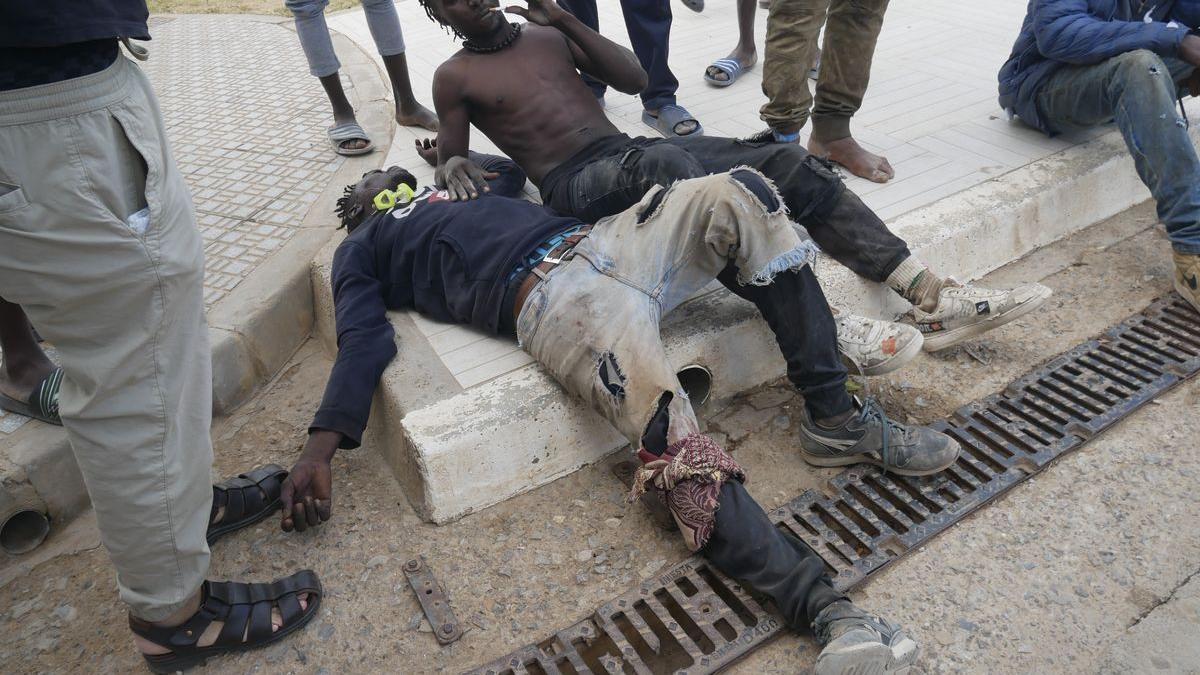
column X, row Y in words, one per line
column 688, row 478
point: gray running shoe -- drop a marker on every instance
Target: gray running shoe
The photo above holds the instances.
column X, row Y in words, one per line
column 857, row 643
column 872, row 438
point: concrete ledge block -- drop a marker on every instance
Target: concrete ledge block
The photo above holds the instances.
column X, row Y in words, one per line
column 42, row 465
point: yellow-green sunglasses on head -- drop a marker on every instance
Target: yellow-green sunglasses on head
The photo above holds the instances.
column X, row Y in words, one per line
column 387, row 200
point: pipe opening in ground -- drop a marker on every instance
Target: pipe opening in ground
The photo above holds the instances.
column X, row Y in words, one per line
column 23, row 530
column 697, row 382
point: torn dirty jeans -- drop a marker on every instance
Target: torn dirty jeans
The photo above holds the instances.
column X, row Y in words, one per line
column 594, row 322
column 1138, row 91
column 615, row 172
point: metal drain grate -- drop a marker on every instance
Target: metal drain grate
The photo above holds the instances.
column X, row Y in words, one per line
column 692, row 619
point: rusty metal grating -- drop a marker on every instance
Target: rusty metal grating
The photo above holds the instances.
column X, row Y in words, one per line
column 692, row 619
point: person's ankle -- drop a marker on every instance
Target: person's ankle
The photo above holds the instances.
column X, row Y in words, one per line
column 26, row 372
column 787, row 133
column 834, row 421
column 181, row 614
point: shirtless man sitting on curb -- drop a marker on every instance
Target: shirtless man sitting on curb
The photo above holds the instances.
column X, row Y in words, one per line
column 586, row 303
column 519, row 83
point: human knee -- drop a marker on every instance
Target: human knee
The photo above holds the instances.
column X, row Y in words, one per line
column 759, row 186
column 1142, row 69
column 1140, row 61
column 664, row 164
column 304, row 9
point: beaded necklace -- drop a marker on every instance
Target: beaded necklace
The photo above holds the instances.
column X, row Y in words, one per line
column 513, row 33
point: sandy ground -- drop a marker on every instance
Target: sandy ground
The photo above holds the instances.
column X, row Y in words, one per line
column 1080, row 569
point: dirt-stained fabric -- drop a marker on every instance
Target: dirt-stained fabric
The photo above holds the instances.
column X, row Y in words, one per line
column 688, row 478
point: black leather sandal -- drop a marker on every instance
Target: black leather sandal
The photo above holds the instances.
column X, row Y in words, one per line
column 245, row 610
column 246, row 499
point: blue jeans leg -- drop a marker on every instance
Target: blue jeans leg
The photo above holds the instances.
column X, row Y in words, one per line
column 314, row 36
column 384, row 24
column 649, row 26
column 1137, row 90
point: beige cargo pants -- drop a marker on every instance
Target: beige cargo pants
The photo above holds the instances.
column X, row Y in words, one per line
column 793, row 26
column 122, row 301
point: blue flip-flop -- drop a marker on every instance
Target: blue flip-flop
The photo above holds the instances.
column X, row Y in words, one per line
column 669, row 117
column 732, row 68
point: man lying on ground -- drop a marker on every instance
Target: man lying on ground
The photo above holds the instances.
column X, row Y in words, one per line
column 586, row 303
column 519, row 83
column 1079, row 64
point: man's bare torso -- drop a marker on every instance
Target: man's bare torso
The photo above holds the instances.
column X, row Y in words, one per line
column 530, row 101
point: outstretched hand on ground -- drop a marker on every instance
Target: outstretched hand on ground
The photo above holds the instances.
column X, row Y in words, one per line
column 307, row 492
column 539, row 12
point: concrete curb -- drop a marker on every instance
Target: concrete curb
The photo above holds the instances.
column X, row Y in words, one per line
column 254, row 330
column 442, row 441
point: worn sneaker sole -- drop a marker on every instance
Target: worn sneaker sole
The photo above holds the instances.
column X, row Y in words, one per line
column 895, row 362
column 1186, row 293
column 870, row 659
column 938, row 341
column 847, row 460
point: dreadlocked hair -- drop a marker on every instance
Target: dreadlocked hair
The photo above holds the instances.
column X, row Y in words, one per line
column 429, row 13
column 342, row 209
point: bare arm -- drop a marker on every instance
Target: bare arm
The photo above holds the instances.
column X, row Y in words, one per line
column 594, row 54
column 455, row 171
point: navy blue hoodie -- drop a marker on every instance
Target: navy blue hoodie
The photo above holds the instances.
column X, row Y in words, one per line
column 450, row 261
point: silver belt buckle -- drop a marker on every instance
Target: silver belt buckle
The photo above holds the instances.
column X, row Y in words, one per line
column 566, row 255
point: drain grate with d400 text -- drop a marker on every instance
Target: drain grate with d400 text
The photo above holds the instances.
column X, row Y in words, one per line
column 693, row 619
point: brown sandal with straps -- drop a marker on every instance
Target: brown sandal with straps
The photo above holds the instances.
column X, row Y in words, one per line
column 245, row 610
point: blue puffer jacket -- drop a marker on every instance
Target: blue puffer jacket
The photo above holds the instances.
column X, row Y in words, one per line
column 1060, row 32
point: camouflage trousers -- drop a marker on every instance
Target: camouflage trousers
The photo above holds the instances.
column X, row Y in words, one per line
column 793, row 28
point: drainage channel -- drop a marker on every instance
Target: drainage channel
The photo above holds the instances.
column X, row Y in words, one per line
column 692, row 619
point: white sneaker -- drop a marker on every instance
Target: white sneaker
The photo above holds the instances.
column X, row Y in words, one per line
column 964, row 311
column 873, row 347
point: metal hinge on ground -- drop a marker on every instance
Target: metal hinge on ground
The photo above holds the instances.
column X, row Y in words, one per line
column 692, row 619
column 433, row 599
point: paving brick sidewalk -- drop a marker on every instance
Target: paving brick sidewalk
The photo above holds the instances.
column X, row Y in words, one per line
column 248, row 133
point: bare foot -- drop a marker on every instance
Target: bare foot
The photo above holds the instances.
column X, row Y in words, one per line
column 210, row 634
column 746, row 57
column 420, row 116
column 856, row 159
column 427, row 149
